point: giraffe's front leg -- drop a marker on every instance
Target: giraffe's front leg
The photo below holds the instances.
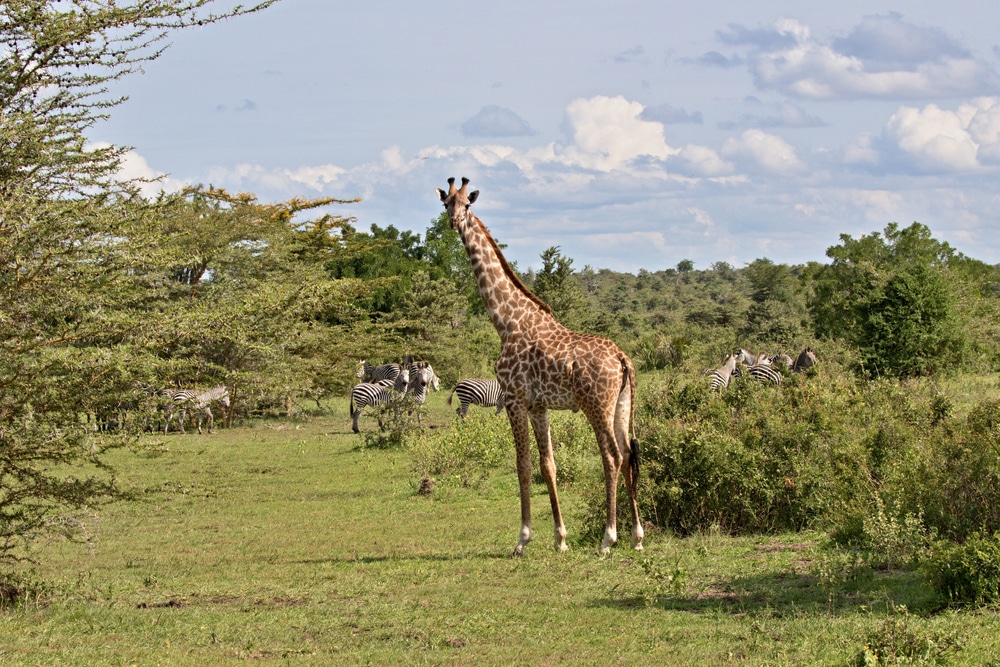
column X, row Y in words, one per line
column 518, row 416
column 540, row 424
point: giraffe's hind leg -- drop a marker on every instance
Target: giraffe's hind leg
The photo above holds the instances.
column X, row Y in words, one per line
column 630, row 462
column 611, row 458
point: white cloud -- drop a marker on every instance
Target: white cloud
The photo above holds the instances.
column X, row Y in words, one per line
column 135, row 166
column 770, row 152
column 884, row 57
column 939, row 139
column 861, row 151
column 703, row 161
column 608, row 133
column 316, row 177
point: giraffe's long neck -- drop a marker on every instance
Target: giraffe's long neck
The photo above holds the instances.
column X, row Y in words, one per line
column 510, row 304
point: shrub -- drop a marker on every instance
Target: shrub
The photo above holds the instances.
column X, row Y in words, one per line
column 474, row 446
column 968, row 573
column 901, row 640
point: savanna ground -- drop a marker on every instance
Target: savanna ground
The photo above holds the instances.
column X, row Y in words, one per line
column 290, row 544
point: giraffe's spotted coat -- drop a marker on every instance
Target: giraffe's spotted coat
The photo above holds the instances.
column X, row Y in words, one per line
column 544, row 366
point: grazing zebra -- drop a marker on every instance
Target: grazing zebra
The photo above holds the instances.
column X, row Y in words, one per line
column 720, row 376
column 376, row 373
column 476, row 391
column 762, row 370
column 382, row 392
column 746, row 357
column 805, row 360
column 199, row 402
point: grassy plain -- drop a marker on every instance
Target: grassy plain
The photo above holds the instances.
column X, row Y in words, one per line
column 287, row 544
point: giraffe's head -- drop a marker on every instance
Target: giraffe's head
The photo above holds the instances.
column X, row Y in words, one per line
column 457, row 202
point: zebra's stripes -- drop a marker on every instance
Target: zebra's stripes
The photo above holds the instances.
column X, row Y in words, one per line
column 382, row 392
column 200, row 402
column 422, row 378
column 370, row 373
column 719, row 377
column 763, row 371
column 477, row 391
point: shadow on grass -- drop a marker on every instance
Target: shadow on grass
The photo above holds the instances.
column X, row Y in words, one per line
column 781, row 594
column 386, row 558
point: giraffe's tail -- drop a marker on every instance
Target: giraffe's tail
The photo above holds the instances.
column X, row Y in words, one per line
column 628, row 380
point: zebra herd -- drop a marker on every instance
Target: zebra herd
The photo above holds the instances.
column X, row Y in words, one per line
column 761, row 367
column 388, row 384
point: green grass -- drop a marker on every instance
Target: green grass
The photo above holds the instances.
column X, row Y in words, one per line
column 286, row 544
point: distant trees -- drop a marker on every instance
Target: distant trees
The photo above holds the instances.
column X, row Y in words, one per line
column 888, row 296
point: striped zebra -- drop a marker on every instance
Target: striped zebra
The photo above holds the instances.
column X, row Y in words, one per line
column 381, row 392
column 763, row 371
column 199, row 402
column 369, row 373
column 719, row 377
column 805, row 360
column 476, row 391
column 422, row 378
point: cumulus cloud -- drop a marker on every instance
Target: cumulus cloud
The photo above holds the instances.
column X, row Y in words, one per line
column 135, row 167
column 496, row 121
column 885, row 57
column 767, row 151
column 935, row 139
column 607, row 133
column 694, row 160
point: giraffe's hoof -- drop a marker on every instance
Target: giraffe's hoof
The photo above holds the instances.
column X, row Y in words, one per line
column 518, row 551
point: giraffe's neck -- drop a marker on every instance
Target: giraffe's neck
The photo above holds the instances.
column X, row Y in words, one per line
column 511, row 306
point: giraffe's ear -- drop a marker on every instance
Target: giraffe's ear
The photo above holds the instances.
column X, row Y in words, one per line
column 473, row 196
column 442, row 194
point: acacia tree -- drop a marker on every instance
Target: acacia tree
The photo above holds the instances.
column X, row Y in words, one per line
column 72, row 335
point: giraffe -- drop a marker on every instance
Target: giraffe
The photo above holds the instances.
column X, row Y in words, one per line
column 544, row 366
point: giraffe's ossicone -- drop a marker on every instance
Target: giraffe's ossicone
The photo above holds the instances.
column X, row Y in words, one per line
column 544, row 366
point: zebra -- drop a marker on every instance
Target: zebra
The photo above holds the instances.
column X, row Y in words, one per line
column 381, row 392
column 782, row 359
column 805, row 360
column 476, row 391
column 720, row 376
column 422, row 376
column 199, row 402
column 376, row 373
column 762, row 370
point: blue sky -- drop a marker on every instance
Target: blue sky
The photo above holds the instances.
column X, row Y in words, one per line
column 631, row 134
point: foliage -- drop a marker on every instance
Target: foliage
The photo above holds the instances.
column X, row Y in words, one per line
column 554, row 284
column 75, row 335
column 900, row 639
column 966, row 573
column 890, row 297
column 472, row 448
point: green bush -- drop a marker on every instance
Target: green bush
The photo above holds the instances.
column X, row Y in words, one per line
column 901, row 639
column 472, row 447
column 967, row 573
